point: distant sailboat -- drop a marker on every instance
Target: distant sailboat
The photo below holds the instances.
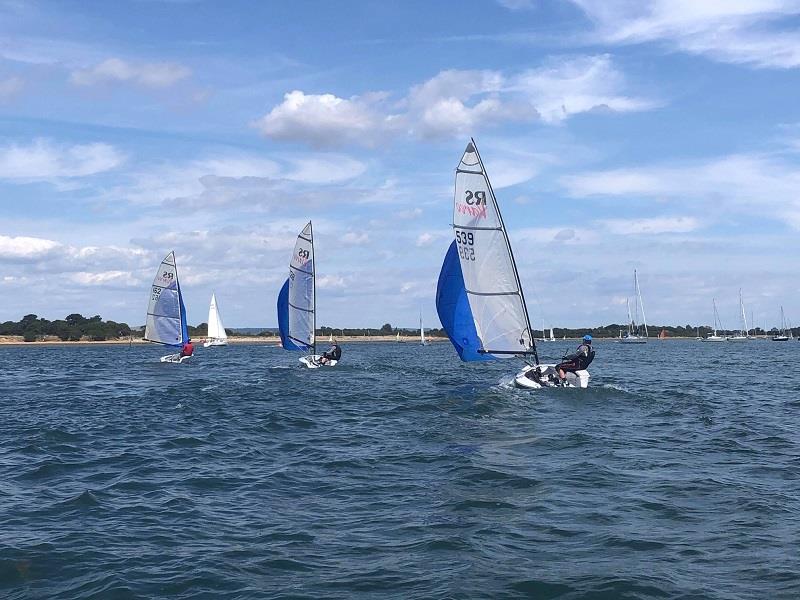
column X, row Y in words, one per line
column 636, row 334
column 217, row 336
column 422, row 340
column 744, row 333
column 714, row 337
column 552, row 337
column 479, row 297
column 166, row 314
column 398, row 339
column 297, row 302
column 782, row 335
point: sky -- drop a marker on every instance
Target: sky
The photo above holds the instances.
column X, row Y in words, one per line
column 657, row 135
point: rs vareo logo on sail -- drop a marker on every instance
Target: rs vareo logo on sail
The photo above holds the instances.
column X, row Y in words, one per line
column 474, row 204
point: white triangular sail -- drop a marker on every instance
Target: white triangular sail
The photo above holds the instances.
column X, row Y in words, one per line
column 487, row 264
column 421, row 331
column 302, row 298
column 216, row 330
column 166, row 320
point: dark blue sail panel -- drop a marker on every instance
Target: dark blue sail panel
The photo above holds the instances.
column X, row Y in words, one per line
column 283, row 319
column 184, row 326
column 454, row 311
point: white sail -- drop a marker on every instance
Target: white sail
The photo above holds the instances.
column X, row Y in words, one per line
column 216, row 330
column 487, row 264
column 421, row 331
column 302, row 318
column 552, row 337
column 165, row 318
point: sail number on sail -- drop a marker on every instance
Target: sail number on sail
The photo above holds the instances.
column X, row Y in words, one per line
column 466, row 243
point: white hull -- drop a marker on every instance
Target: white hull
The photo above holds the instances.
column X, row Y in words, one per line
column 715, row 338
column 780, row 338
column 312, row 361
column 633, row 339
column 211, row 343
column 738, row 338
column 174, row 358
column 537, row 377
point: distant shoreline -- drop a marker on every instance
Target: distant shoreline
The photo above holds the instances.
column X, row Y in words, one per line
column 16, row 340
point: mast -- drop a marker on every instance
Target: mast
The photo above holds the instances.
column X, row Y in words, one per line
column 313, row 290
column 639, row 296
column 511, row 253
column 630, row 318
column 744, row 316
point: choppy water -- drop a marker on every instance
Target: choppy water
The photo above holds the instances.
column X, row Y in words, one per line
column 401, row 473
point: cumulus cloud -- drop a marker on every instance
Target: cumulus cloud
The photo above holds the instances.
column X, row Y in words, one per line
column 756, row 32
column 326, row 120
column 25, row 248
column 44, row 159
column 152, row 75
column 352, row 238
column 454, row 103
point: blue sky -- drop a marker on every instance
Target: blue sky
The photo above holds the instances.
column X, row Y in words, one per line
column 661, row 135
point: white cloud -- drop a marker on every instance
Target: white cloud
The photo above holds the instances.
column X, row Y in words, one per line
column 326, row 120
column 455, row 103
column 351, row 238
column 86, row 278
column 11, row 86
column 44, row 159
column 25, row 248
column 153, row 75
column 736, row 31
column 650, row 226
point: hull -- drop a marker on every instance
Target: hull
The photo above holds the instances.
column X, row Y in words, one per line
column 537, row 377
column 211, row 343
column 780, row 338
column 715, row 338
column 633, row 339
column 312, row 361
column 174, row 358
column 738, row 338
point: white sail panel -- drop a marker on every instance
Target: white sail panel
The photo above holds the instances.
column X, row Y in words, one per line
column 301, row 289
column 216, row 330
column 163, row 323
column 490, row 276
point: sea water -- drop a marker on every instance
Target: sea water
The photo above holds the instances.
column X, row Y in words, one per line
column 400, row 473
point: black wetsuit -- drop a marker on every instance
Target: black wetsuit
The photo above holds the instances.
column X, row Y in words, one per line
column 579, row 360
column 335, row 353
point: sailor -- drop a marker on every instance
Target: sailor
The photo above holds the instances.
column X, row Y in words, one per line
column 334, row 353
column 188, row 348
column 578, row 360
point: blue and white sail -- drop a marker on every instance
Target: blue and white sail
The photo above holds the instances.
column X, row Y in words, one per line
column 479, row 297
column 297, row 298
column 166, row 314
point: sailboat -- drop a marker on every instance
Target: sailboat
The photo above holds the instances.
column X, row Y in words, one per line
column 422, row 340
column 552, row 337
column 166, row 314
column 217, row 336
column 714, row 337
column 398, row 339
column 479, row 297
column 782, row 336
column 744, row 333
column 636, row 334
column 297, row 302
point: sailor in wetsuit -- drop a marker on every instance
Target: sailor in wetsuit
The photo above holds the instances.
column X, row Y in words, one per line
column 578, row 360
column 334, row 353
column 188, row 349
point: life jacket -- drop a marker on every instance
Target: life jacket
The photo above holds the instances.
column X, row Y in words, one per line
column 336, row 353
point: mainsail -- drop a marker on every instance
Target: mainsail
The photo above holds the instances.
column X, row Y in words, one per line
column 296, row 301
column 166, row 314
column 480, row 268
column 216, row 330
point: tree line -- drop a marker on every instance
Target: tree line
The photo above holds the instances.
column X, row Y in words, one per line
column 73, row 328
